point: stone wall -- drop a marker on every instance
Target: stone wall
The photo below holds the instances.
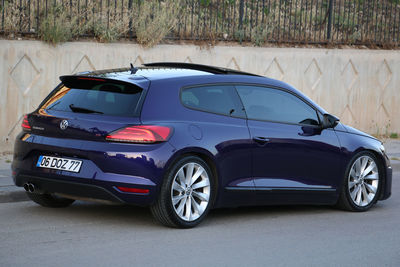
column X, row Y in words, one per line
column 359, row 86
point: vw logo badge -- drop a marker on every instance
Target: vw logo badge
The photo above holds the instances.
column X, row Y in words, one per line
column 63, row 124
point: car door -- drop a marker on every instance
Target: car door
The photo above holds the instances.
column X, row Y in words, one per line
column 290, row 153
column 217, row 112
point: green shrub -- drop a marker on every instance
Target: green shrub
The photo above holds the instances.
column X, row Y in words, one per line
column 153, row 20
column 55, row 29
column 13, row 17
column 110, row 34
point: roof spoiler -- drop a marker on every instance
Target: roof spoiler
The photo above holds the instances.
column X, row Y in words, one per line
column 83, row 81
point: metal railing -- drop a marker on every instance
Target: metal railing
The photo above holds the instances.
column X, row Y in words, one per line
column 364, row 22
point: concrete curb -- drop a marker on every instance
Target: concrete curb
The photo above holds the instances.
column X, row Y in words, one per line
column 13, row 196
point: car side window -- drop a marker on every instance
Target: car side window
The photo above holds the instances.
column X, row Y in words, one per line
column 268, row 104
column 220, row 99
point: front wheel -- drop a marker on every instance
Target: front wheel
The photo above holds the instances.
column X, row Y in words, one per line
column 362, row 183
column 186, row 194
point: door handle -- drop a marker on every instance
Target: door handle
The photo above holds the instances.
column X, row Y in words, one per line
column 261, row 140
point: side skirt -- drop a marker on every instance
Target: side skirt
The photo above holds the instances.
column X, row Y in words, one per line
column 290, row 196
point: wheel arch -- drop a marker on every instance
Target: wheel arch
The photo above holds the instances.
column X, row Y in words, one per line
column 203, row 154
column 381, row 162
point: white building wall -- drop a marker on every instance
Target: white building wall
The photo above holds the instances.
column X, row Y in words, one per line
column 359, row 86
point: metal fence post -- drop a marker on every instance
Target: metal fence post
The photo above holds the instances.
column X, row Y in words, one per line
column 241, row 11
column 130, row 19
column 330, row 13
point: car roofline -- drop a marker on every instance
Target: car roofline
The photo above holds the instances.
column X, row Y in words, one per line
column 199, row 67
column 175, row 65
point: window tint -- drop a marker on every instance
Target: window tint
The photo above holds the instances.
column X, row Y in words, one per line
column 221, row 99
column 269, row 104
column 93, row 97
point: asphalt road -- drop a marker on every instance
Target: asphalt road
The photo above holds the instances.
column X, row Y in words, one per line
column 88, row 234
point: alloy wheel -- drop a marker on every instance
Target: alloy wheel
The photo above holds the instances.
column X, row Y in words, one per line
column 363, row 181
column 190, row 191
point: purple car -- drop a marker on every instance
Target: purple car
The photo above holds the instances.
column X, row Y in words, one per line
column 186, row 138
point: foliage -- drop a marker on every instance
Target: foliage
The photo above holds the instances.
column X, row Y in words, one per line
column 14, row 17
column 65, row 23
column 55, row 28
column 151, row 21
column 154, row 20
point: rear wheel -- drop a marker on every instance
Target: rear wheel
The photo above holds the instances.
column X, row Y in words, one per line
column 186, row 194
column 362, row 182
column 50, row 200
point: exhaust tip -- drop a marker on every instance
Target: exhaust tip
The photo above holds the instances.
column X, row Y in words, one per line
column 31, row 188
column 26, row 187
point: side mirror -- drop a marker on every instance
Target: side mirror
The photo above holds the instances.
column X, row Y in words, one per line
column 329, row 121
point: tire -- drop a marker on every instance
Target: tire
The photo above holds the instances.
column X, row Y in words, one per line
column 50, row 200
column 183, row 204
column 360, row 191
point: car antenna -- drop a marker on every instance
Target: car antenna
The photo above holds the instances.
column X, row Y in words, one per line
column 133, row 69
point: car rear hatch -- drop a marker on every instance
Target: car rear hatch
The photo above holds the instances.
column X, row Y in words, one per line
column 92, row 124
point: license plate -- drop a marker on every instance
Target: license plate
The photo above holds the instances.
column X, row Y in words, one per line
column 70, row 165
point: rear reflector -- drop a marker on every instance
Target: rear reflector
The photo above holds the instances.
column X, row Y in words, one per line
column 25, row 123
column 141, row 134
column 133, row 190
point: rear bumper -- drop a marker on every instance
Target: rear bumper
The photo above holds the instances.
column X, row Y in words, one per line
column 89, row 189
column 105, row 167
column 72, row 188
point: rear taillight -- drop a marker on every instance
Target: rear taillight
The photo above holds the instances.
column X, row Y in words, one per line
column 25, row 123
column 141, row 134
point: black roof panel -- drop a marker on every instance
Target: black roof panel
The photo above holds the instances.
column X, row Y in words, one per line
column 199, row 67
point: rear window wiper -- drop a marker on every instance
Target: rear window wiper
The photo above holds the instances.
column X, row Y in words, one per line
column 83, row 110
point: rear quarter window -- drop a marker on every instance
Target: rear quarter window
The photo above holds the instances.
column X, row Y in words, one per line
column 108, row 98
column 219, row 99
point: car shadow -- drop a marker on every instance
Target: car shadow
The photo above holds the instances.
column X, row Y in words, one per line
column 128, row 216
column 269, row 211
column 96, row 213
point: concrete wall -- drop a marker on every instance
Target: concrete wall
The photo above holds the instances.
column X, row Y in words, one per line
column 359, row 86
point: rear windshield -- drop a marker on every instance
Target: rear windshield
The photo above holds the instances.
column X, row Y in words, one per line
column 108, row 98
